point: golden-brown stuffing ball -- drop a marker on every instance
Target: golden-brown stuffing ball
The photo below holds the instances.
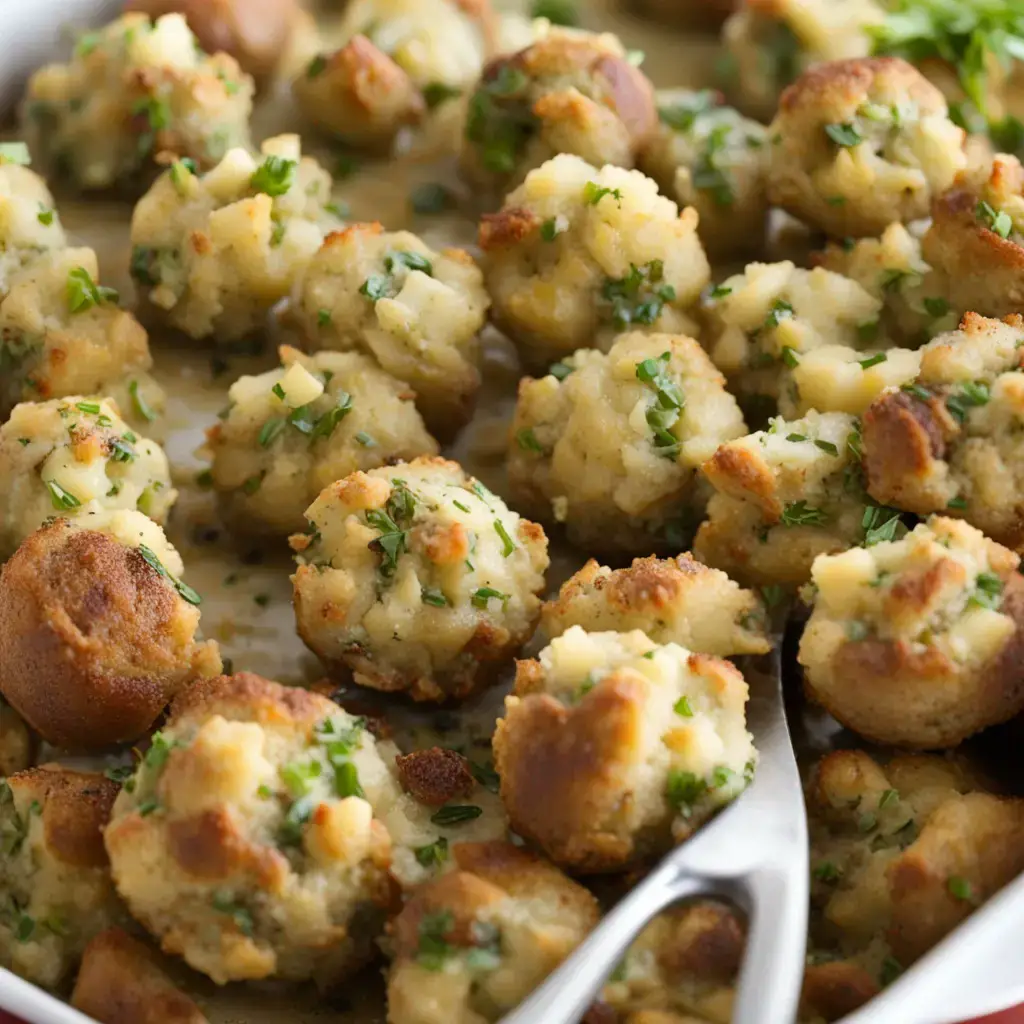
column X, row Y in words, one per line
column 609, row 444
column 290, row 432
column 62, row 333
column 17, row 744
column 771, row 42
column 687, row 14
column 29, row 221
column 71, row 457
column 613, row 747
column 710, row 157
column 54, row 872
column 569, row 92
column 950, row 441
column 418, row 312
column 672, row 600
column 120, row 982
column 783, row 496
column 133, row 90
column 475, row 942
column 416, row 578
column 213, row 252
column 918, row 642
column 246, row 841
column 578, row 254
column 97, row 631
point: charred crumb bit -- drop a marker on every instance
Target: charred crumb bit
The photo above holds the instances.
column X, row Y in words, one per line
column 436, row 776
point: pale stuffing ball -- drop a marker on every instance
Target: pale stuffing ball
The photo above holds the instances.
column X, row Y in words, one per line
column 17, row 745
column 213, row 252
column 72, row 456
column 917, row 642
column 29, row 222
column 475, row 942
column 578, row 254
column 418, row 312
column 62, row 333
column 614, row 748
column 570, row 92
column 416, row 578
column 288, row 433
column 609, row 444
column 246, row 841
column 860, row 144
column 783, row 496
column 770, row 43
column 976, row 239
column 950, row 440
column 709, row 156
column 134, row 90
column 672, row 600
column 96, row 606
column 54, row 873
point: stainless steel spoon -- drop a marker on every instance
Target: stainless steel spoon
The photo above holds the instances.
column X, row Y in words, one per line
column 754, row 854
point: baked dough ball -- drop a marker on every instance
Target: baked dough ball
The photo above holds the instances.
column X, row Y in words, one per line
column 336, row 413
column 976, row 239
column 771, row 42
column 569, row 92
column 859, row 144
column 609, row 444
column 950, row 440
column 418, row 312
column 474, row 943
column 132, row 91
column 578, row 254
column 918, row 642
column 97, row 630
column 73, row 456
column 714, row 159
column 212, row 253
column 120, row 983
column 783, row 496
column 614, row 747
column 29, row 222
column 672, row 600
column 901, row 854
column 416, row 578
column 687, row 14
column 16, row 742
column 62, row 333
column 54, row 872
column 246, row 840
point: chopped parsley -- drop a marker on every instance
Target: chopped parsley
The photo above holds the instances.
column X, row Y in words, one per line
column 683, row 115
column 881, row 524
column 845, row 135
column 960, row 888
column 508, row 545
column 781, row 310
column 527, row 440
column 799, row 513
column 391, row 543
column 664, row 413
column 639, row 297
column 971, row 395
column 827, row 446
column 682, row 707
column 316, row 67
column 434, row 596
column 432, row 854
column 936, row 307
column 826, row 871
column 500, row 118
column 436, row 93
column 274, row 176
column 594, row 193
column 142, row 407
column 434, row 949
column 878, row 357
column 988, row 591
column 45, row 215
column 484, row 594
column 456, row 814
column 60, row 498
column 184, row 590
column 553, row 227
column 560, row 370
column 83, row 293
column 239, row 914
column 683, row 790
column 998, row 221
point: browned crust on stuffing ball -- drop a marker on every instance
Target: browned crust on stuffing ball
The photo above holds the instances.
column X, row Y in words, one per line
column 120, row 983
column 343, row 236
column 740, row 473
column 209, row 846
column 255, row 698
column 435, row 776
column 958, row 207
column 508, row 227
column 706, row 941
column 91, row 644
column 370, row 75
column 835, row 989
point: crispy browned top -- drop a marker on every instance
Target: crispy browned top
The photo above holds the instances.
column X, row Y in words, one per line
column 435, row 776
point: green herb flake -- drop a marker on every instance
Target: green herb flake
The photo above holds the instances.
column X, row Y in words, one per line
column 683, row 790
column 434, row 596
column 594, row 193
column 845, row 135
column 508, row 545
column 998, row 221
column 988, row 591
column 434, row 949
column 484, row 594
column 682, row 707
column 960, row 888
column 878, row 357
column 431, row 198
column 827, row 872
column 558, row 12
column 83, row 293
column 456, row 814
column 274, row 177
column 239, row 914
column 827, row 446
column 61, row 499
column 142, row 407
column 45, row 215
column 799, row 513
column 433, row 854
column 527, row 440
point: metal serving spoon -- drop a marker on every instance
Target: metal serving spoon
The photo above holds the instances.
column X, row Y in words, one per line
column 753, row 854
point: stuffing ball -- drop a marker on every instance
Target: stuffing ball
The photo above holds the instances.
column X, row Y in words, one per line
column 710, row 157
column 578, row 254
column 859, row 144
column 288, row 433
column 976, row 239
column 672, row 600
column 771, row 42
column 918, row 642
column 418, row 312
column 902, row 854
column 97, row 630
column 687, row 14
column 416, row 578
column 62, row 334
column 950, row 441
column 74, row 456
column 135, row 90
column 29, row 222
column 784, row 496
column 16, row 742
column 474, row 943
column 246, row 840
column 54, row 874
column 570, row 92
column 121, row 983
column 614, row 748
column 212, row 253
column 609, row 444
